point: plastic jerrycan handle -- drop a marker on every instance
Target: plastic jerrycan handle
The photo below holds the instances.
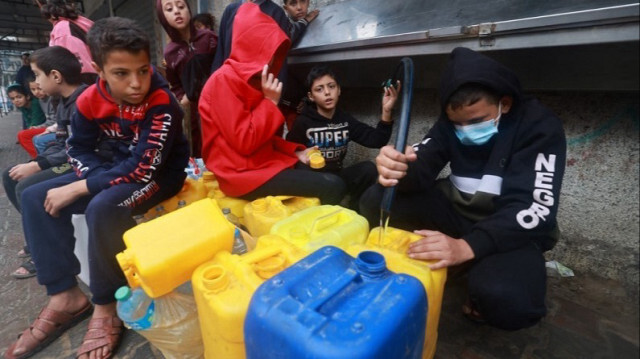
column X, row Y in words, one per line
column 254, row 258
column 128, row 268
column 325, row 221
column 334, row 288
column 368, row 264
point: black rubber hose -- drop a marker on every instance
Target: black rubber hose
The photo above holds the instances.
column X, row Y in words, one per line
column 403, row 127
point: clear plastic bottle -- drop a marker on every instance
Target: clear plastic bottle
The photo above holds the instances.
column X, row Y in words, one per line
column 135, row 308
column 233, row 219
column 239, row 246
column 170, row 322
column 230, row 217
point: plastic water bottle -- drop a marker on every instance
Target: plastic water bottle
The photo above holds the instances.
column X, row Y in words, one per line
column 239, row 246
column 135, row 308
column 233, row 219
column 230, row 216
column 170, row 322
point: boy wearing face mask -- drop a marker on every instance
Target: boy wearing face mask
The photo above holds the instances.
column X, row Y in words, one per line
column 496, row 212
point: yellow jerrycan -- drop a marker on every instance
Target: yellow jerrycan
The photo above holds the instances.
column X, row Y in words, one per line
column 223, row 288
column 261, row 214
column 393, row 245
column 235, row 205
column 320, row 226
column 163, row 253
column 192, row 191
column 297, row 204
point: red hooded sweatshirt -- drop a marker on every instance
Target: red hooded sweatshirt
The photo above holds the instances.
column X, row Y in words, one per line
column 239, row 124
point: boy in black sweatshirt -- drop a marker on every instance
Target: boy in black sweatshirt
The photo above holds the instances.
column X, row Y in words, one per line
column 324, row 126
column 131, row 114
column 496, row 212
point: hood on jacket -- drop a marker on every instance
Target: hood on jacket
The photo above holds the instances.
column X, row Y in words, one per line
column 174, row 34
column 157, row 82
column 467, row 66
column 256, row 40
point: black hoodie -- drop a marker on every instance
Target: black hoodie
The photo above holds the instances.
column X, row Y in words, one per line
column 511, row 185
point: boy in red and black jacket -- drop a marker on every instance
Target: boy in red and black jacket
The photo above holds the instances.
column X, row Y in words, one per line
column 135, row 121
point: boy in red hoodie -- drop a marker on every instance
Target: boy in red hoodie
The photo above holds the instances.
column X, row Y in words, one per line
column 240, row 119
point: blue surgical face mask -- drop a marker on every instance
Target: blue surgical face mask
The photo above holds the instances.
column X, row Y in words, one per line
column 479, row 133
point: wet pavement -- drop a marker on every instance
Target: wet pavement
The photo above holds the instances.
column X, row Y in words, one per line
column 589, row 317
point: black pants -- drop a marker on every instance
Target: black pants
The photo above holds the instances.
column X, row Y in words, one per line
column 507, row 288
column 14, row 189
column 328, row 187
column 358, row 178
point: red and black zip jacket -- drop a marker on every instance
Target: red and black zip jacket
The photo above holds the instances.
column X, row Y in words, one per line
column 112, row 144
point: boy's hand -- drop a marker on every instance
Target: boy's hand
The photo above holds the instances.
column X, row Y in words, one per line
column 389, row 101
column 312, row 15
column 24, row 170
column 392, row 165
column 50, row 129
column 302, row 155
column 59, row 198
column 185, row 101
column 438, row 246
column 271, row 87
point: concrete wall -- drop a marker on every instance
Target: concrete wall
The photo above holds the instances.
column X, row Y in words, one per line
column 599, row 203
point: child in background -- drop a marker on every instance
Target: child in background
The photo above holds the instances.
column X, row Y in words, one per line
column 299, row 16
column 70, row 31
column 324, row 126
column 188, row 57
column 32, row 115
column 240, row 119
column 291, row 102
column 58, row 73
column 133, row 112
column 203, row 20
column 48, row 105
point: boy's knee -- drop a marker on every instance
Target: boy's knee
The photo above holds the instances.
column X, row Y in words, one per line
column 335, row 189
column 33, row 196
column 6, row 179
column 507, row 307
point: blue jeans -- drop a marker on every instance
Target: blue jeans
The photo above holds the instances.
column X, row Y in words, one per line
column 41, row 142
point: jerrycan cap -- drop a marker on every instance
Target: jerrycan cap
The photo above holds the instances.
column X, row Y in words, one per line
column 259, row 205
column 208, row 176
column 123, row 293
column 316, row 160
column 371, row 264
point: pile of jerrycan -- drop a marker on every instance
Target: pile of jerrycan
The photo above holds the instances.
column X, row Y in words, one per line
column 279, row 277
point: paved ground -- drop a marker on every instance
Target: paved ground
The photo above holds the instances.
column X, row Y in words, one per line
column 589, row 317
